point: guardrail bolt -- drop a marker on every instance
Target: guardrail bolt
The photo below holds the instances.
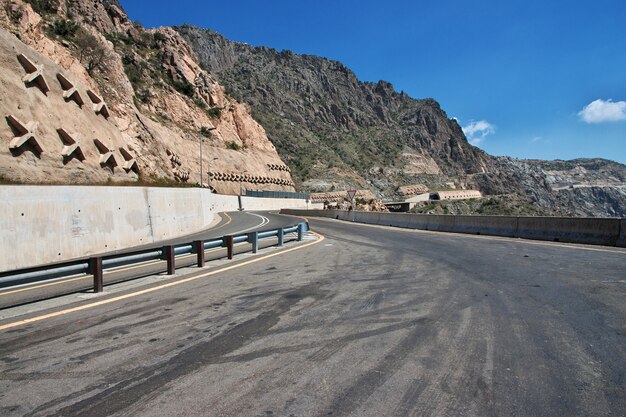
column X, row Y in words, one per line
column 95, row 269
column 170, row 258
column 253, row 238
column 199, row 245
column 281, row 237
column 229, row 245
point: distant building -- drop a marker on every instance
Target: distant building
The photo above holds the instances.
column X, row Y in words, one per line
column 455, row 195
column 409, row 203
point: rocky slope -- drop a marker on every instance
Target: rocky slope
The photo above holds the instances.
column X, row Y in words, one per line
column 337, row 132
column 93, row 97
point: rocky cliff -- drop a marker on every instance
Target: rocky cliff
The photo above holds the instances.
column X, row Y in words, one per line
column 337, row 132
column 89, row 96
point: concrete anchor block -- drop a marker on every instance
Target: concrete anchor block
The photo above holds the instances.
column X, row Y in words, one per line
column 99, row 105
column 130, row 163
column 25, row 134
column 71, row 144
column 70, row 92
column 34, row 73
column 106, row 154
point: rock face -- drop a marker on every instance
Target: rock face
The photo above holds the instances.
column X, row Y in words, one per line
column 337, row 132
column 320, row 116
column 128, row 103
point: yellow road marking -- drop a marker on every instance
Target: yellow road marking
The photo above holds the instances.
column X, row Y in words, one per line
column 153, row 289
column 222, row 225
column 464, row 235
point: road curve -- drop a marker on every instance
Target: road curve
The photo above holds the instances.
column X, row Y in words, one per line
column 372, row 321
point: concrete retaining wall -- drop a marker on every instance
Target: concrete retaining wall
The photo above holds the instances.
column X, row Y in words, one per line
column 44, row 224
column 599, row 231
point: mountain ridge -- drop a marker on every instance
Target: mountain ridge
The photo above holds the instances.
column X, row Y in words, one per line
column 350, row 133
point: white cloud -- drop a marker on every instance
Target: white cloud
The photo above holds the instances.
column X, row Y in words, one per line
column 601, row 111
column 476, row 132
column 536, row 139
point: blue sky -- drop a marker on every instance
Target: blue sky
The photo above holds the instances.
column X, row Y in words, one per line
column 530, row 79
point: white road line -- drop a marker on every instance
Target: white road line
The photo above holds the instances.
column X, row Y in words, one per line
column 264, row 221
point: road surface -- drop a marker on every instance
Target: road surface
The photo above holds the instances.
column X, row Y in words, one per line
column 369, row 321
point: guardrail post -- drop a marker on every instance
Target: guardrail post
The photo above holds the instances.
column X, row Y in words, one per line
column 253, row 238
column 95, row 268
column 300, row 231
column 170, row 258
column 281, row 237
column 229, row 245
column 199, row 246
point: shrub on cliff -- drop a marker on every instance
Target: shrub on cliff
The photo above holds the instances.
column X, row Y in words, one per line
column 64, row 28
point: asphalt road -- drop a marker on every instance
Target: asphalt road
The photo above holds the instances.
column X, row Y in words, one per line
column 370, row 321
column 230, row 223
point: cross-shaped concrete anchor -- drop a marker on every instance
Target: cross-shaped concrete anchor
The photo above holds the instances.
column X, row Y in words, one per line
column 25, row 133
column 106, row 154
column 72, row 145
column 70, row 92
column 34, row 73
column 130, row 163
column 99, row 105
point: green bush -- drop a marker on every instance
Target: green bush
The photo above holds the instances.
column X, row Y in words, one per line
column 45, row 6
column 234, row 146
column 159, row 37
column 214, row 112
column 184, row 87
column 133, row 73
column 144, row 95
column 200, row 103
column 64, row 28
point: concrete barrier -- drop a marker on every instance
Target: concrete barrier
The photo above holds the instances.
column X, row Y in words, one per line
column 599, row 231
column 576, row 230
column 45, row 224
column 621, row 240
column 486, row 225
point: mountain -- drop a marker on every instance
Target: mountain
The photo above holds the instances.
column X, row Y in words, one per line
column 88, row 96
column 92, row 97
column 337, row 132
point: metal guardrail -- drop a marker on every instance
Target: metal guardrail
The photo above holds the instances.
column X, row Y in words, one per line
column 98, row 264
